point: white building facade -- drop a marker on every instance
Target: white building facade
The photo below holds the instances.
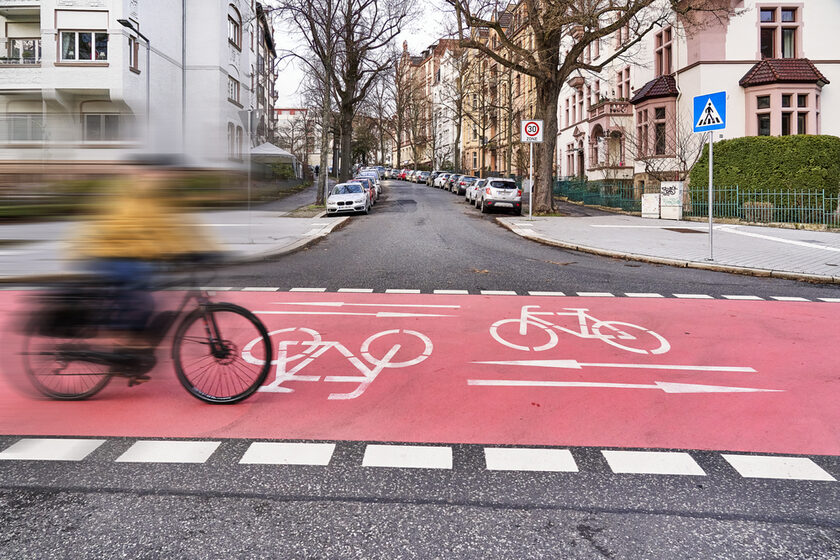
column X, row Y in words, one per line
column 78, row 93
column 777, row 62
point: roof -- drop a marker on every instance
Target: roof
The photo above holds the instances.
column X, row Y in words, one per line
column 270, row 152
column 663, row 86
column 786, row 70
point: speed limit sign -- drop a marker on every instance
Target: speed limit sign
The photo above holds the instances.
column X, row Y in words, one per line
column 532, row 131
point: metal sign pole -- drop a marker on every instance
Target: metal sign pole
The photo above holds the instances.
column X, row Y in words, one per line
column 531, row 184
column 711, row 196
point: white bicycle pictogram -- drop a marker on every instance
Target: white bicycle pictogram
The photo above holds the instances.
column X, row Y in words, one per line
column 626, row 336
column 315, row 346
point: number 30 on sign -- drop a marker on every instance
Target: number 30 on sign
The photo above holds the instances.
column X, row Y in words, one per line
column 532, row 131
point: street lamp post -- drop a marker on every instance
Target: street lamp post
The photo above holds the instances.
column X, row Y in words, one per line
column 130, row 25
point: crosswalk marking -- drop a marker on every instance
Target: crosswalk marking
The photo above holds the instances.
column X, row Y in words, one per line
column 149, row 451
column 765, row 466
column 652, row 462
column 408, row 456
column 528, row 459
column 51, row 449
column 286, row 453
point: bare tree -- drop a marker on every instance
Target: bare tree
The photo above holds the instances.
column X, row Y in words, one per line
column 559, row 32
column 666, row 154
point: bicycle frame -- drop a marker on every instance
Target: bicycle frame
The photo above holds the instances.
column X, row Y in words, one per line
column 579, row 312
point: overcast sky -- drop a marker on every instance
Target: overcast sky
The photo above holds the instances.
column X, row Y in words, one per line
column 427, row 30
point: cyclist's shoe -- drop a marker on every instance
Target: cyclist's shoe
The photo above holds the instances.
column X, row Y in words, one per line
column 137, row 379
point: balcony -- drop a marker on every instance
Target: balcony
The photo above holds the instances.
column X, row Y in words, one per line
column 611, row 108
column 20, row 52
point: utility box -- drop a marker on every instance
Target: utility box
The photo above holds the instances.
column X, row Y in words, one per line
column 650, row 205
column 671, row 195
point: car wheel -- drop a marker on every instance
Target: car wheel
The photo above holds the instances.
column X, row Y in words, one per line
column 484, row 208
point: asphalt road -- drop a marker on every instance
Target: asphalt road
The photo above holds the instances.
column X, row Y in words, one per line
column 422, row 238
column 419, row 237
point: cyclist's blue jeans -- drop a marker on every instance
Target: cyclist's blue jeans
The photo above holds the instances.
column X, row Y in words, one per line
column 130, row 299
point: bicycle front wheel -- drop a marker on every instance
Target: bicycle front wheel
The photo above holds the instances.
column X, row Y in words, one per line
column 208, row 357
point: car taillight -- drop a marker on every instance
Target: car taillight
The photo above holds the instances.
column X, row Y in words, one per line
column 488, row 191
column 519, row 192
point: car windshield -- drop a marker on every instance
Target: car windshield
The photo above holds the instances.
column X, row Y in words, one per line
column 468, row 179
column 503, row 184
column 347, row 189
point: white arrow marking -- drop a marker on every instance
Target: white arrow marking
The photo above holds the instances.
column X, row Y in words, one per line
column 380, row 314
column 342, row 304
column 574, row 364
column 661, row 385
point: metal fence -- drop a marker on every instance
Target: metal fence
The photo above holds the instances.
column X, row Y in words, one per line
column 801, row 207
column 601, row 193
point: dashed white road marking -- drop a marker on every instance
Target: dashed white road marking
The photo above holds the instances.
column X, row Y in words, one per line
column 308, row 290
column 355, row 290
column 527, row 459
column 50, row 449
column 498, row 293
column 785, row 298
column 595, row 294
column 215, row 288
column 558, row 294
column 652, row 462
column 830, row 299
column 397, row 291
column 693, row 296
column 765, row 466
column 287, row 453
column 408, row 456
column 643, row 295
column 453, row 292
column 150, row 451
column 259, row 289
column 744, row 298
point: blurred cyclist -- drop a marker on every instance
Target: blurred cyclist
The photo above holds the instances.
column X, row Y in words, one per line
column 125, row 242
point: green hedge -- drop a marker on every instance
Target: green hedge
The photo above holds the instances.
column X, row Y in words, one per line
column 773, row 164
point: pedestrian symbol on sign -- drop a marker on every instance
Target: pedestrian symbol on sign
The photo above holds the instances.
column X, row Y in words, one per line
column 709, row 116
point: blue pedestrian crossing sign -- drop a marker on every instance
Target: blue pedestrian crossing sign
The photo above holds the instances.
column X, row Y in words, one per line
column 710, row 111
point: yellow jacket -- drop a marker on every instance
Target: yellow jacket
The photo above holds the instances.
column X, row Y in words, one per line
column 139, row 224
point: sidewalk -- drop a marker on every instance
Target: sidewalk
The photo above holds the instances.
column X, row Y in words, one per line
column 756, row 250
column 35, row 251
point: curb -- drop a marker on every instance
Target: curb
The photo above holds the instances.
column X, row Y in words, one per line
column 234, row 260
column 761, row 272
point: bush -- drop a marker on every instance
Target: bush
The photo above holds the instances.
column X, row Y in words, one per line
column 773, row 164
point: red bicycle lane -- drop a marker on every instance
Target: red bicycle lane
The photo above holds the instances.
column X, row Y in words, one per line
column 721, row 375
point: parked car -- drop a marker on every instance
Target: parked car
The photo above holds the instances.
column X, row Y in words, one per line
column 368, row 184
column 460, row 187
column 441, row 179
column 430, row 180
column 348, row 197
column 473, row 189
column 500, row 193
column 422, row 177
column 451, row 182
column 375, row 178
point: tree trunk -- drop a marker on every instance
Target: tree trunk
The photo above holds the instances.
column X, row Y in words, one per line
column 457, row 143
column 346, row 117
column 547, row 94
column 320, row 195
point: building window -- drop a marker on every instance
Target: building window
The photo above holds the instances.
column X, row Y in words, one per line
column 233, row 90
column 133, row 51
column 239, row 136
column 24, row 127
column 623, row 84
column 234, row 27
column 763, row 124
column 20, row 51
column 84, row 45
column 231, row 140
column 580, row 105
column 802, row 123
column 659, row 142
column 762, row 102
column 475, row 160
column 779, row 32
column 106, row 127
column 786, row 124
column 663, row 52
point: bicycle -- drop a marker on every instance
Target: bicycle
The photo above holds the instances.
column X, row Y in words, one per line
column 63, row 361
column 648, row 342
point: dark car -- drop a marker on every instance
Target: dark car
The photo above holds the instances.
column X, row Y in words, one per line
column 453, row 179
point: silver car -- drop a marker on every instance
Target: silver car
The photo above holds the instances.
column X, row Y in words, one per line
column 473, row 189
column 502, row 194
column 348, row 197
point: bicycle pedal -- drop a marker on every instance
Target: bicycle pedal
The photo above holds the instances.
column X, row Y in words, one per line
column 138, row 380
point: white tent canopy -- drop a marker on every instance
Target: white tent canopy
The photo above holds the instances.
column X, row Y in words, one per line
column 269, row 153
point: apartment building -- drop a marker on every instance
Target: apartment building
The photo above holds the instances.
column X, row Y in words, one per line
column 84, row 84
column 633, row 121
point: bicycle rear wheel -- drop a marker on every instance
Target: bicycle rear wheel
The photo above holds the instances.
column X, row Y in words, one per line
column 55, row 370
column 217, row 372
